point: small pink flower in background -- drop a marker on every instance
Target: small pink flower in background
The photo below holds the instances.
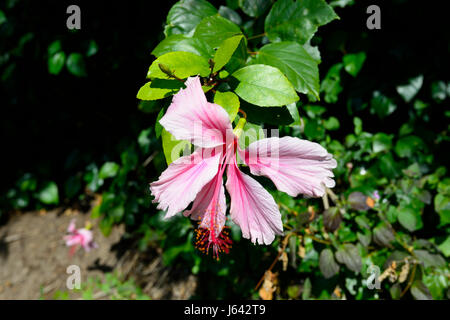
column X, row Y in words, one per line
column 79, row 237
column 376, row 195
column 295, row 166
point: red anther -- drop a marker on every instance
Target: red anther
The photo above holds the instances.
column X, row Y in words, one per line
column 220, row 244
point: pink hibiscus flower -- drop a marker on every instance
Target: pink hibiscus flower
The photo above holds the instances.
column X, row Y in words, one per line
column 295, row 166
column 79, row 237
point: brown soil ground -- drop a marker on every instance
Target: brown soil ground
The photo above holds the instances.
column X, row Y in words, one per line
column 34, row 259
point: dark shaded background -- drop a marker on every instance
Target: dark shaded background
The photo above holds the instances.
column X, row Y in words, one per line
column 53, row 125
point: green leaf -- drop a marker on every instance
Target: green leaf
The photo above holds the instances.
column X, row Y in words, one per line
column 229, row 101
column 92, row 49
column 158, row 126
column 444, row 186
column 214, row 30
column 297, row 20
column 295, row 62
column 72, row 186
column 149, row 106
column 407, row 146
column 108, row 170
column 254, row 8
column 252, row 132
column 410, row 218
column 182, row 64
column 445, row 247
column 381, row 142
column 144, row 140
column 92, row 179
column 353, row 62
column 331, row 84
column 181, row 42
column 314, row 130
column 429, row 259
column 271, row 115
column 381, row 105
column 420, row 292
column 358, row 201
column 332, row 219
column 75, row 65
column 56, row 62
column 439, row 91
column 159, row 89
column 225, row 52
column 54, row 47
column 185, row 15
column 348, row 254
column 437, row 284
column 442, row 207
column 342, row 3
column 263, row 85
column 293, row 110
column 49, row 193
column 395, row 291
column 129, row 158
column 230, row 14
column 332, row 123
column 2, row 17
column 364, row 237
column 408, row 91
column 172, row 148
column 105, row 226
column 27, row 182
column 363, row 222
column 383, row 235
column 307, row 287
column 239, row 57
column 388, row 166
column 313, row 51
column 327, row 264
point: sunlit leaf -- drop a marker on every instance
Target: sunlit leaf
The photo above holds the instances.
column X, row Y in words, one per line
column 290, row 20
column 229, row 101
column 408, row 91
column 173, row 148
column 56, row 62
column 182, row 64
column 75, row 64
column 353, row 62
column 264, row 85
column 213, row 30
column 185, row 15
column 327, row 264
column 49, row 193
column 181, row 42
column 159, row 89
column 296, row 64
column 226, row 51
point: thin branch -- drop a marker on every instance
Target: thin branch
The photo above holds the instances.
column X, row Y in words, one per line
column 317, row 239
column 257, row 36
column 149, row 159
column 280, row 252
column 410, row 281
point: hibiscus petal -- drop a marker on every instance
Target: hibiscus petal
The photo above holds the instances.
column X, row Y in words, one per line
column 86, row 238
column 205, row 205
column 72, row 240
column 191, row 117
column 295, row 166
column 252, row 207
column 71, row 228
column 180, row 183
